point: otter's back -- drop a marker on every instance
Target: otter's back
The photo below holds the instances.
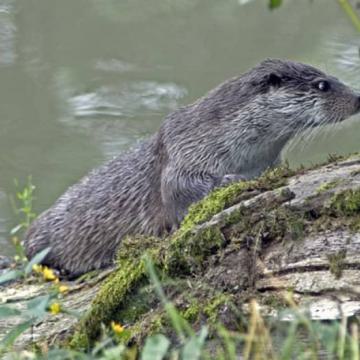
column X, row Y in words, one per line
column 86, row 224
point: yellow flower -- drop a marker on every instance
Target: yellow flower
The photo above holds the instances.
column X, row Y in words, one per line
column 55, row 308
column 63, row 289
column 48, row 274
column 117, row 328
column 37, row 268
column 56, row 281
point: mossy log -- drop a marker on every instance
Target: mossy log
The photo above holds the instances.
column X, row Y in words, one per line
column 287, row 230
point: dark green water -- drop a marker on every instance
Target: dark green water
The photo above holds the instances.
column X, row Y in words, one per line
column 82, row 80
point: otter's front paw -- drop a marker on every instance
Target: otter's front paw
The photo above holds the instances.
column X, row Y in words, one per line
column 231, row 178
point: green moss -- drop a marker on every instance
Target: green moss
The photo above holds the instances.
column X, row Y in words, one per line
column 80, row 341
column 336, row 263
column 281, row 224
column 271, row 222
column 346, row 203
column 109, row 298
column 225, row 197
column 328, row 186
column 345, row 207
column 214, row 306
column 334, row 158
column 206, row 305
column 216, row 201
column 192, row 312
column 295, row 225
column 136, row 303
column 189, row 249
column 130, row 273
column 235, row 216
column 275, row 301
column 151, row 323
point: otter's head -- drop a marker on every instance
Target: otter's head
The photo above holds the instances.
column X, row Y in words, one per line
column 299, row 96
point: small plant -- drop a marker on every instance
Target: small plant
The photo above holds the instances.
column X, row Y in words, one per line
column 23, row 209
column 23, row 206
column 36, row 308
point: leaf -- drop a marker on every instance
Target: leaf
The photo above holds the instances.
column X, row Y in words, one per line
column 155, row 348
column 16, row 229
column 273, row 4
column 61, row 354
column 117, row 352
column 10, row 275
column 192, row 349
column 7, row 311
column 74, row 313
column 13, row 334
column 38, row 307
column 37, row 259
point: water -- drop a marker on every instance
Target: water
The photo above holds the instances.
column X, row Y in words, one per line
column 82, row 80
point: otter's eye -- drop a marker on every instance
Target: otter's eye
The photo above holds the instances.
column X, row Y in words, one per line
column 323, row 86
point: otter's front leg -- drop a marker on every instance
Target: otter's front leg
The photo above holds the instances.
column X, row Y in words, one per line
column 180, row 189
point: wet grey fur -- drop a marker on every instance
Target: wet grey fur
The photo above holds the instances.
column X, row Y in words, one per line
column 234, row 132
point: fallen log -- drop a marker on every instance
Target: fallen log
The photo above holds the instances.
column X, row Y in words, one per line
column 297, row 231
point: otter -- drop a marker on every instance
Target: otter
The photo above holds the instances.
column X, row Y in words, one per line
column 234, row 132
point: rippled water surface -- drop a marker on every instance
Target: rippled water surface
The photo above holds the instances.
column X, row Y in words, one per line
column 82, row 80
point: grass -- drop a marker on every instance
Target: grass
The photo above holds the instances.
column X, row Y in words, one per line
column 259, row 338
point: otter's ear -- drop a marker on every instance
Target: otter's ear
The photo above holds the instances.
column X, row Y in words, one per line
column 274, row 80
